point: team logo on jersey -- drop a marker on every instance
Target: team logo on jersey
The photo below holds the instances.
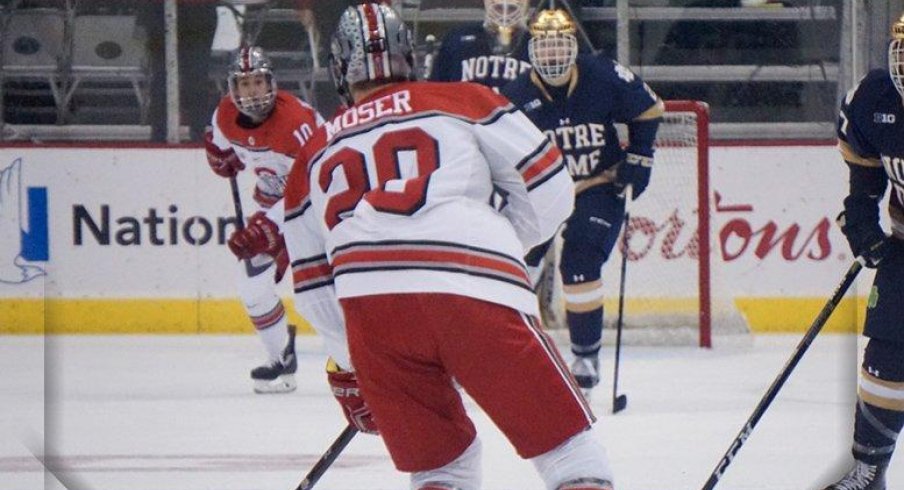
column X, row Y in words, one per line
column 532, row 105
column 270, row 181
column 23, row 219
column 883, row 118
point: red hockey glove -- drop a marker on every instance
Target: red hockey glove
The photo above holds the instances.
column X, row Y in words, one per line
column 260, row 236
column 224, row 163
column 345, row 388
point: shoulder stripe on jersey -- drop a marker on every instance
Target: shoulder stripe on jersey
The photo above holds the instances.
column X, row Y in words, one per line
column 429, row 255
column 851, row 156
column 298, row 210
column 540, row 165
column 311, row 273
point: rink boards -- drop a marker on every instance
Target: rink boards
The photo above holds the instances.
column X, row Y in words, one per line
column 129, row 240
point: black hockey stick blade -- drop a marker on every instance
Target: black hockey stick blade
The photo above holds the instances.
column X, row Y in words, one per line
column 779, row 381
column 328, row 458
column 619, row 403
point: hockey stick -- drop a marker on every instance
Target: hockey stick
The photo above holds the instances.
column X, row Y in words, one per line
column 250, row 269
column 328, row 458
column 237, row 203
column 760, row 409
column 619, row 402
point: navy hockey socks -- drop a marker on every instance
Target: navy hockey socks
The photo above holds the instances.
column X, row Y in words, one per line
column 875, row 433
column 586, row 331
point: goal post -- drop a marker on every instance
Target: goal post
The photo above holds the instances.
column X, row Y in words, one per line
column 686, row 125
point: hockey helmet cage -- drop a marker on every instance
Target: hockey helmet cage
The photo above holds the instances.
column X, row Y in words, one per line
column 371, row 44
column 896, row 55
column 553, row 45
column 251, row 61
column 506, row 14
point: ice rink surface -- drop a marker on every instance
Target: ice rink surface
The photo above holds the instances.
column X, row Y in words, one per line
column 177, row 413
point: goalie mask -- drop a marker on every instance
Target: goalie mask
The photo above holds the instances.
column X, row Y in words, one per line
column 251, row 83
column 896, row 55
column 505, row 16
column 371, row 44
column 553, row 46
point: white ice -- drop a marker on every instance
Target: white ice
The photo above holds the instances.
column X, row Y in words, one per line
column 177, row 413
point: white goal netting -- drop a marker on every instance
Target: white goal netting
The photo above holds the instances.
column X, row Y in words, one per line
column 669, row 296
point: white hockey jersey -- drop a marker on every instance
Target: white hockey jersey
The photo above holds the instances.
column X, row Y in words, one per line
column 393, row 196
column 268, row 149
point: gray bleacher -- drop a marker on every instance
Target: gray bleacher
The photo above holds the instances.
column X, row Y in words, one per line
column 778, row 72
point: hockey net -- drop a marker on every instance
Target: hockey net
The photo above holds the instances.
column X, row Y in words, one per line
column 668, row 292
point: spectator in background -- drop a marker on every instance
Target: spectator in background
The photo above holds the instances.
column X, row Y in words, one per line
column 197, row 23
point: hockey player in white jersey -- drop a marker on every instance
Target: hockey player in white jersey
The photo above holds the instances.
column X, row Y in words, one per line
column 388, row 209
column 258, row 128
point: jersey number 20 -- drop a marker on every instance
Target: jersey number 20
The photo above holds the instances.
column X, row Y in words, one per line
column 406, row 200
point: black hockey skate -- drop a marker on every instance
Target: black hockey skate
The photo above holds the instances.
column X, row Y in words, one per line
column 862, row 476
column 586, row 371
column 278, row 376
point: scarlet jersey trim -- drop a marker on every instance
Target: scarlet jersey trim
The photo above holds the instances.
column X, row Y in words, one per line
column 311, row 273
column 429, row 255
column 297, row 210
column 541, row 165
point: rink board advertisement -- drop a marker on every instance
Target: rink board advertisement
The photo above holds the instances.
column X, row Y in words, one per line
column 133, row 240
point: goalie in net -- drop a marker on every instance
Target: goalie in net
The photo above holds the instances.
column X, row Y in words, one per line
column 576, row 100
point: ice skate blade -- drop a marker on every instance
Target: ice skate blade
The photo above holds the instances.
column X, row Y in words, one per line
column 282, row 384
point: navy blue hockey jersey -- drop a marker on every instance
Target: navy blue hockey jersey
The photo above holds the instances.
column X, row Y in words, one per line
column 580, row 119
column 471, row 54
column 871, row 133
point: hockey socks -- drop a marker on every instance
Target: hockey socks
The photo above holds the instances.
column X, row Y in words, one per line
column 880, row 404
column 875, row 433
column 274, row 331
column 585, row 331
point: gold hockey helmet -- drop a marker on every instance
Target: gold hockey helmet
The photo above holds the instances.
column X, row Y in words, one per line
column 896, row 55
column 553, row 45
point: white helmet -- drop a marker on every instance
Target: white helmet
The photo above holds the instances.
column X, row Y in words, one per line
column 251, row 61
column 553, row 45
column 371, row 43
column 504, row 16
column 506, row 13
column 896, row 55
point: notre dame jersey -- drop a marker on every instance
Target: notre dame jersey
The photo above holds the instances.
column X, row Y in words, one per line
column 581, row 117
column 472, row 54
column 871, row 133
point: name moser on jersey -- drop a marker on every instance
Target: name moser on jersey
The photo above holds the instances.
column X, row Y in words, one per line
column 415, row 172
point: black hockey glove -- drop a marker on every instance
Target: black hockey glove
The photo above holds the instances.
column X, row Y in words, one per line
column 634, row 171
column 866, row 241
